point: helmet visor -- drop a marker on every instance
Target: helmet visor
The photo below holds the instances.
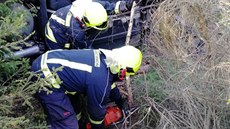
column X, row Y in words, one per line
column 129, row 71
column 102, row 26
column 86, row 21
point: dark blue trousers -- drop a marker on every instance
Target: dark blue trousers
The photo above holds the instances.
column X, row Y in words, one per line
column 59, row 110
column 57, row 105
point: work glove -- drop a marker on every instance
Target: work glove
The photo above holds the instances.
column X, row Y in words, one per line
column 123, row 6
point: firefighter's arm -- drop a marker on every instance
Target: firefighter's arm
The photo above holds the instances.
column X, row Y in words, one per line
column 77, row 35
column 116, row 96
column 96, row 103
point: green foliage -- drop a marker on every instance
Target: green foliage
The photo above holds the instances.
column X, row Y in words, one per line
column 18, row 107
column 4, row 10
column 149, row 85
column 13, row 122
column 18, row 123
column 146, row 87
column 8, row 68
column 16, row 97
column 11, row 23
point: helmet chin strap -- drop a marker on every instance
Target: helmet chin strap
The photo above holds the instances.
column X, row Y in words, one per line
column 122, row 74
column 82, row 24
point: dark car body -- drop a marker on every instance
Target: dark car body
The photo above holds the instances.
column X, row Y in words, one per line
column 114, row 36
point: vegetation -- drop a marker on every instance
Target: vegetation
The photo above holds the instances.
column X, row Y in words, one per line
column 189, row 50
column 18, row 108
column 187, row 85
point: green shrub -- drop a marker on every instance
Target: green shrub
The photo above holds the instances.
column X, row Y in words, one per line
column 4, row 10
column 18, row 107
column 149, row 85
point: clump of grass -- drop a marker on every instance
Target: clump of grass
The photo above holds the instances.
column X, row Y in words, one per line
column 191, row 44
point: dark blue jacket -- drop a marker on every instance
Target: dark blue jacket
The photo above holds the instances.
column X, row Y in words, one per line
column 82, row 71
column 62, row 28
column 65, row 31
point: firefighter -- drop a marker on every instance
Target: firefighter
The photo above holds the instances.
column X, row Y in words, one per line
column 68, row 26
column 89, row 72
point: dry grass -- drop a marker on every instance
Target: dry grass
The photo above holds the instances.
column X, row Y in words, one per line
column 192, row 38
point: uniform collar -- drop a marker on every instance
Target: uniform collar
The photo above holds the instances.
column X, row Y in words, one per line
column 110, row 60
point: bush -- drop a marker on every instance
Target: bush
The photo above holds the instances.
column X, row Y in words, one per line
column 18, row 108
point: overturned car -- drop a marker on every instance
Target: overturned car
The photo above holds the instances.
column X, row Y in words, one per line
column 114, row 36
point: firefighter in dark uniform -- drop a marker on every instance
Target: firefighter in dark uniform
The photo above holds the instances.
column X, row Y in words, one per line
column 91, row 72
column 67, row 27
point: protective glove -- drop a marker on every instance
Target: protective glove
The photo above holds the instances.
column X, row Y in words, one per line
column 123, row 6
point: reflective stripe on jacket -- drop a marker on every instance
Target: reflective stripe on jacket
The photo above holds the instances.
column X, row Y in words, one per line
column 81, row 71
column 62, row 28
column 67, row 31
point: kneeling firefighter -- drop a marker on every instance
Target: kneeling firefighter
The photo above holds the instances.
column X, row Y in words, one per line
column 68, row 26
column 89, row 72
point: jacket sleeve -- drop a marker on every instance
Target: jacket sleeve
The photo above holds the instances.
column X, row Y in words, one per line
column 116, row 96
column 97, row 96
